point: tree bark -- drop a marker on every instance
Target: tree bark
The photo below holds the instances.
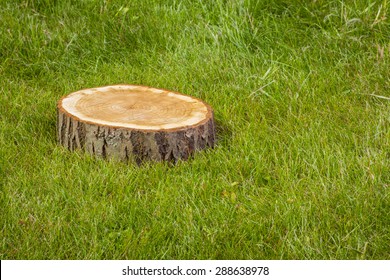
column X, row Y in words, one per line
column 135, row 123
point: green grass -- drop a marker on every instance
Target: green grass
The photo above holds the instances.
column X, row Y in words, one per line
column 302, row 165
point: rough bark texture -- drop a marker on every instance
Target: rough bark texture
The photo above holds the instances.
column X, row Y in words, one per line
column 133, row 145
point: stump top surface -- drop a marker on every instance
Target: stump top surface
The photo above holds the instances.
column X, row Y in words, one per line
column 135, row 107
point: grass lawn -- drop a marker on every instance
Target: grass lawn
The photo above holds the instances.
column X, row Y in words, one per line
column 301, row 96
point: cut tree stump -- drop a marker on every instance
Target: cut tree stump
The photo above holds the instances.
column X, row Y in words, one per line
column 135, row 123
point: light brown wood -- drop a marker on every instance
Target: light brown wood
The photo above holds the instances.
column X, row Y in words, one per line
column 133, row 122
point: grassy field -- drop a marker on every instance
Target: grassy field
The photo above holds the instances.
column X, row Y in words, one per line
column 301, row 93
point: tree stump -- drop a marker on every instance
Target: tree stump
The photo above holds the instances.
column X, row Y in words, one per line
column 135, row 123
